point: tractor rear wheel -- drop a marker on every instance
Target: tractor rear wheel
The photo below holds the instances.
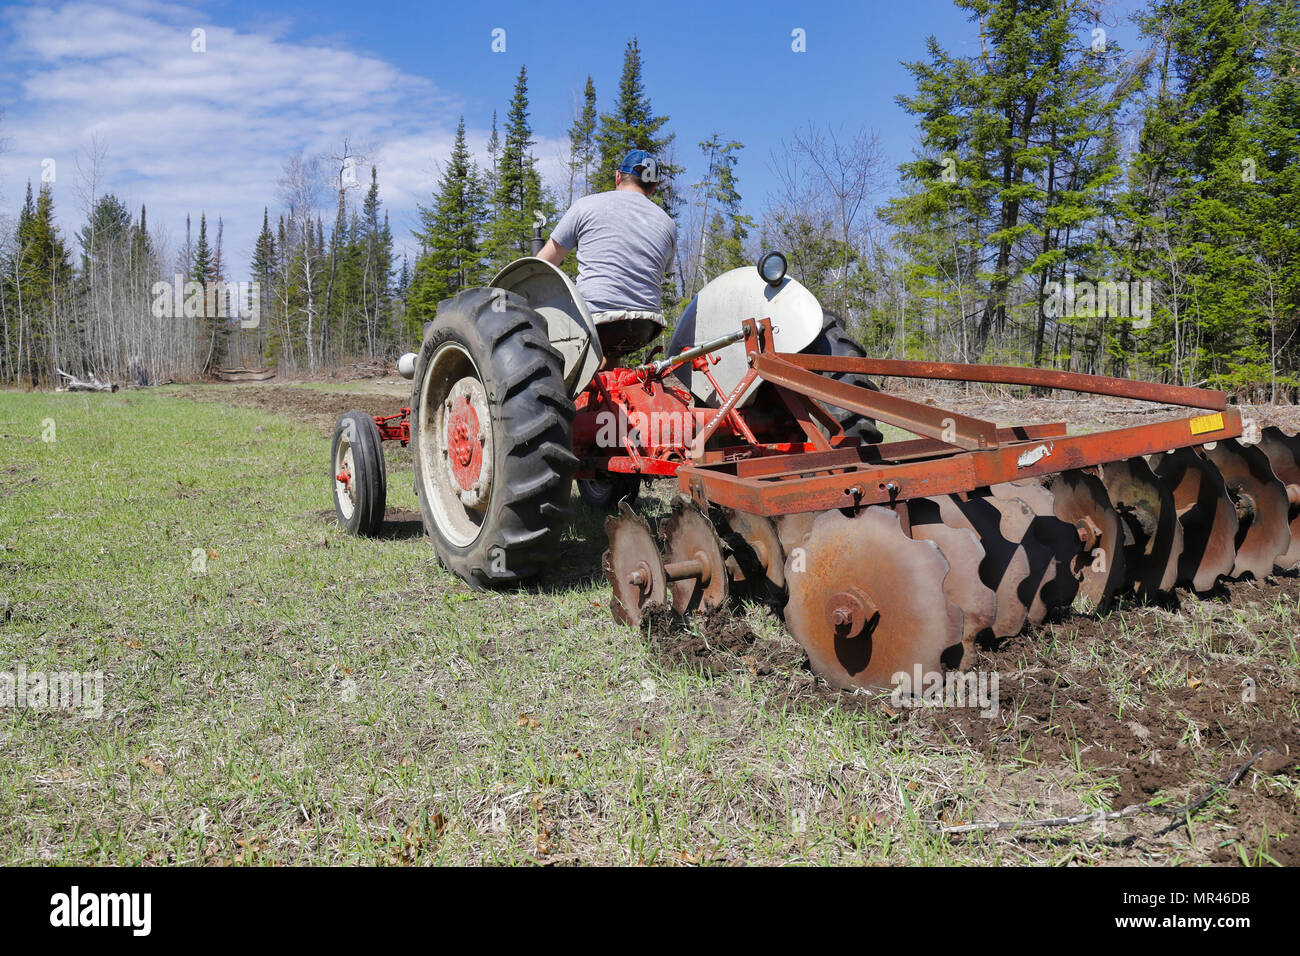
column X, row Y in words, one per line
column 491, row 425
column 835, row 340
column 360, row 485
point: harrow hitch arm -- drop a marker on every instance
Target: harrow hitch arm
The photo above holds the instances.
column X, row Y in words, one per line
column 787, row 371
column 704, row 348
column 952, row 428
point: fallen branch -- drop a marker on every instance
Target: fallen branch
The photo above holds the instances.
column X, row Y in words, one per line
column 1094, row 817
column 75, row 384
column 1182, row 813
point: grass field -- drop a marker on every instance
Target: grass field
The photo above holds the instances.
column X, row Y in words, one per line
column 276, row 692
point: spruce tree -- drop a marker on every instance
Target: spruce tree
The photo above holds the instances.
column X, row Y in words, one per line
column 723, row 233
column 1015, row 149
column 377, row 260
column 632, row 124
column 494, row 158
column 43, row 271
column 263, row 269
column 450, row 235
column 517, row 191
column 202, row 273
column 141, row 247
column 201, row 268
column 1212, row 192
column 582, row 144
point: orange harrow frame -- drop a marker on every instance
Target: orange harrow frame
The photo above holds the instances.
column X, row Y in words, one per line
column 958, row 453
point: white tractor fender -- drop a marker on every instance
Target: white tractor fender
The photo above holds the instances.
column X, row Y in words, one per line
column 569, row 325
column 721, row 306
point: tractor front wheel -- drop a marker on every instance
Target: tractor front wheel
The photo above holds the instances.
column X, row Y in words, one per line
column 608, row 490
column 491, row 425
column 360, row 485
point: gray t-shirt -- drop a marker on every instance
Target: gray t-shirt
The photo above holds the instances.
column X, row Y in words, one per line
column 625, row 245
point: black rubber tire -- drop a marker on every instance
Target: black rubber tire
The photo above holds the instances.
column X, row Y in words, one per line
column 610, row 491
column 834, row 340
column 531, row 430
column 369, row 480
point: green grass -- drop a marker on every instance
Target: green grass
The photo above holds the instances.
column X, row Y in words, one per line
column 300, row 696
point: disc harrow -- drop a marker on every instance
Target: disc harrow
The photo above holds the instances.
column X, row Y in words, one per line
column 885, row 558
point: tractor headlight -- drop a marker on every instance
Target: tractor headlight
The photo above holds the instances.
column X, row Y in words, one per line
column 772, row 268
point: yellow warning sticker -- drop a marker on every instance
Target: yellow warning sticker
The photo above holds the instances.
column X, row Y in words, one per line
column 1207, row 423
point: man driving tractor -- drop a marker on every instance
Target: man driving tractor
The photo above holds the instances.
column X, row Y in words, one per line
column 625, row 245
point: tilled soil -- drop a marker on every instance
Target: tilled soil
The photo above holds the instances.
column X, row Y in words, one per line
column 1059, row 710
column 1165, row 745
column 315, row 406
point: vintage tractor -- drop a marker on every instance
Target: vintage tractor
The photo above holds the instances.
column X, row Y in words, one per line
column 882, row 557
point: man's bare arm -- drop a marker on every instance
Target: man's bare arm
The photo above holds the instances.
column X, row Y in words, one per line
column 553, row 252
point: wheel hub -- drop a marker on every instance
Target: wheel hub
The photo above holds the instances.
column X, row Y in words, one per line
column 343, row 490
column 852, row 612
column 467, row 442
column 463, row 442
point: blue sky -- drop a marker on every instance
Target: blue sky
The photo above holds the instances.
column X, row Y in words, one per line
column 184, row 130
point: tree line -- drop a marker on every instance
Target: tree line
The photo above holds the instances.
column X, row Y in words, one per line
column 1069, row 204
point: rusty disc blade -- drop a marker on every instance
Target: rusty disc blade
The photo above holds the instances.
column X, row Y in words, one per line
column 632, row 567
column 962, row 550
column 1017, row 525
column 792, row 529
column 1263, row 532
column 1146, row 507
column 1080, row 499
column 1061, row 539
column 754, row 542
column 867, row 602
column 1005, row 567
column 1206, row 513
column 1283, row 453
column 688, row 535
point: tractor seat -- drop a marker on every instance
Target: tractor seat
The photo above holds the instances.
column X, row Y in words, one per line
column 625, row 330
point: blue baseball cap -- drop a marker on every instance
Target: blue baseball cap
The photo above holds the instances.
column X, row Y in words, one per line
column 640, row 163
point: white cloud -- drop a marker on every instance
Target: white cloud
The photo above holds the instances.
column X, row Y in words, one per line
column 189, row 131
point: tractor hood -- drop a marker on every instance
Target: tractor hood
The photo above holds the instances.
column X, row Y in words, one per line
column 722, row 305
